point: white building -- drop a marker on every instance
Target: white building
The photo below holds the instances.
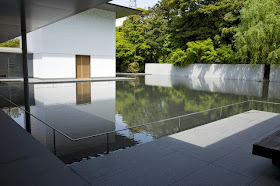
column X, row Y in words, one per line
column 80, row 46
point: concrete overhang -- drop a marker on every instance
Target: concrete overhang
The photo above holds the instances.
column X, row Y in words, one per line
column 39, row 13
column 121, row 11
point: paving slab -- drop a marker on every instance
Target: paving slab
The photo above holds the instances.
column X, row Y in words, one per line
column 162, row 171
column 270, row 177
column 120, row 161
column 243, row 162
column 213, row 175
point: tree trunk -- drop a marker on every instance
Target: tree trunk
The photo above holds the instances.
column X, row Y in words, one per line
column 266, row 72
column 265, row 89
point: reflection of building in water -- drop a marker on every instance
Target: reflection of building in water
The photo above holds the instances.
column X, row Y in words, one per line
column 83, row 92
column 14, row 93
column 78, row 110
column 238, row 87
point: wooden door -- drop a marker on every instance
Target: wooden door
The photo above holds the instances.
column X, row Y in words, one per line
column 82, row 67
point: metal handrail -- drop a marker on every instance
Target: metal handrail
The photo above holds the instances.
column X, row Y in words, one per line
column 274, row 103
column 168, row 119
column 38, row 119
column 142, row 125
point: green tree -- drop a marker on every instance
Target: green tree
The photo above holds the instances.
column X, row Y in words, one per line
column 133, row 67
column 225, row 55
column 124, row 51
column 201, row 52
column 156, row 35
column 258, row 35
column 197, row 52
column 178, row 32
column 14, row 43
column 132, row 33
column 179, row 58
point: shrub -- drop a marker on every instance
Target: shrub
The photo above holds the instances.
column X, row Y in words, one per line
column 133, row 67
column 14, row 43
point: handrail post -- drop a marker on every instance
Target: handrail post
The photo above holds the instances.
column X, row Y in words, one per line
column 221, row 112
column 250, row 102
column 54, row 143
column 108, row 150
column 179, row 124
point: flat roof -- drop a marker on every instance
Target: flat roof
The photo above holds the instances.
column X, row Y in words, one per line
column 121, row 11
column 39, row 13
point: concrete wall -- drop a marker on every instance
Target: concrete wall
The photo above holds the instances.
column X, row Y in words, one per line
column 54, row 66
column 218, row 71
column 89, row 33
column 275, row 73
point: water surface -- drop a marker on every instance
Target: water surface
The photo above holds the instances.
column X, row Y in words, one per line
column 77, row 111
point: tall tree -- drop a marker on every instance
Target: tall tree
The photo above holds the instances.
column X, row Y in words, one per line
column 258, row 35
column 180, row 32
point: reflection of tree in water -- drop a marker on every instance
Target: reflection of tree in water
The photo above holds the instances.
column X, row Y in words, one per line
column 136, row 82
column 13, row 112
column 267, row 107
column 142, row 104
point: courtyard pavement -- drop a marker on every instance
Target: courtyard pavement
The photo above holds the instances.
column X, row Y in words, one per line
column 219, row 153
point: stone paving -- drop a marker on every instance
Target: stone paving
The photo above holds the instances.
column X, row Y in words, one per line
column 219, row 153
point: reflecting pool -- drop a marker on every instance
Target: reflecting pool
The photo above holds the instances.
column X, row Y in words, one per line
column 83, row 120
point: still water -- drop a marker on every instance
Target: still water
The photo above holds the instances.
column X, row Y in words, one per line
column 67, row 116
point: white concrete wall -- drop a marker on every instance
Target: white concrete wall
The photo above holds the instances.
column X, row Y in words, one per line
column 218, row 71
column 275, row 73
column 89, row 33
column 54, row 66
column 103, row 66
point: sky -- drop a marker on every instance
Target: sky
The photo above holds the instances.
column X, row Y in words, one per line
column 140, row 4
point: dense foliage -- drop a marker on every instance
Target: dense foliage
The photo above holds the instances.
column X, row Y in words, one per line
column 258, row 35
column 180, row 32
column 14, row 43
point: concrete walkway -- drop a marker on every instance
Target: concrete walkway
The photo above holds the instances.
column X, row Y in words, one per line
column 24, row 161
column 219, row 153
column 38, row 81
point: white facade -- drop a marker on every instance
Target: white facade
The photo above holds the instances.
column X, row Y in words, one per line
column 90, row 33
